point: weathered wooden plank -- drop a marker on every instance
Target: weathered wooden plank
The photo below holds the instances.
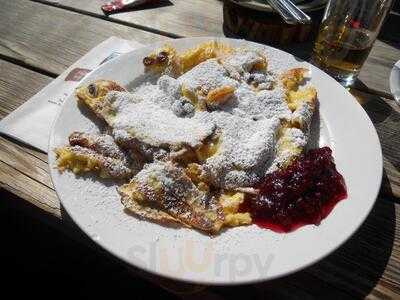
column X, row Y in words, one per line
column 29, row 189
column 204, row 18
column 180, row 17
column 23, row 170
column 376, row 71
column 16, row 157
column 17, row 85
column 29, row 35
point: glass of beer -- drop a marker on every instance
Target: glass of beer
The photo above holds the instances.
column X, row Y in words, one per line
column 347, row 33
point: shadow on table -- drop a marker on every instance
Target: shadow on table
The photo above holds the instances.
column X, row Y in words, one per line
column 391, row 43
column 34, row 253
column 174, row 287
column 385, row 115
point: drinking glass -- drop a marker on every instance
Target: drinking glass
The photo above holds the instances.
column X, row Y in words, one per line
column 346, row 35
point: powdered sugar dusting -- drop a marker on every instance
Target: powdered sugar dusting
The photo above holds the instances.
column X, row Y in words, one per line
column 157, row 127
column 258, row 105
column 245, row 152
column 158, row 116
column 207, row 76
column 242, row 61
column 103, row 144
column 297, row 138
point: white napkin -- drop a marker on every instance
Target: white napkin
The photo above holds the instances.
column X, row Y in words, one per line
column 31, row 122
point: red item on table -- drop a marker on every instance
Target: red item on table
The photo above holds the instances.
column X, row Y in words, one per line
column 117, row 5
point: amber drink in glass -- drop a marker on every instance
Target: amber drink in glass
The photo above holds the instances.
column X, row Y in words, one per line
column 346, row 36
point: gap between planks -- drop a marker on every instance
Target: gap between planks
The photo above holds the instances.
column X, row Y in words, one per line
column 28, row 66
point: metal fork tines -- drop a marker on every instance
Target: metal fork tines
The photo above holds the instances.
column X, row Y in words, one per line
column 289, row 12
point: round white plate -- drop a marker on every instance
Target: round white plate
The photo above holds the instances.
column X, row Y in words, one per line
column 241, row 254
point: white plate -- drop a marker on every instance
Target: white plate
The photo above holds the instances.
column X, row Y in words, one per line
column 395, row 82
column 237, row 255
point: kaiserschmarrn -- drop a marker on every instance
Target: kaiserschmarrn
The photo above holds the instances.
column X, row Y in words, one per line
column 190, row 147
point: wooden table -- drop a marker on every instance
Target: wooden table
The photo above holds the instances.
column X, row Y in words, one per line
column 40, row 39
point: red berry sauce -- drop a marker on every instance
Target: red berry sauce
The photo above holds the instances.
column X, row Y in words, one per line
column 303, row 193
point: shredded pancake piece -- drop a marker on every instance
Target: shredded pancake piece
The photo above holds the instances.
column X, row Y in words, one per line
column 81, row 160
column 166, row 187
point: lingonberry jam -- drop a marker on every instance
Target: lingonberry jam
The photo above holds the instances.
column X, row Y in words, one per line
column 303, row 193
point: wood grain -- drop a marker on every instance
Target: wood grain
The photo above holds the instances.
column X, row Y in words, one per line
column 179, row 17
column 29, row 189
column 27, row 176
column 29, row 35
column 204, row 18
column 24, row 171
column 376, row 70
column 17, row 85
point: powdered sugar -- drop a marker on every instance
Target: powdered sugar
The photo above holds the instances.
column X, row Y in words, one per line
column 207, row 76
column 258, row 105
column 151, row 113
column 166, row 185
column 297, row 139
column 109, row 167
column 170, row 86
column 245, row 150
column 243, row 60
column 153, row 125
column 158, row 116
column 103, row 144
column 303, row 116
